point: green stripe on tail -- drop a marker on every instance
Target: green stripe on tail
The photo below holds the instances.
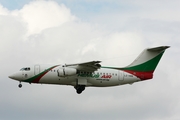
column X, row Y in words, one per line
column 146, row 66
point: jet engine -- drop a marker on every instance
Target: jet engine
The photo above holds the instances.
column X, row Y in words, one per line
column 66, row 71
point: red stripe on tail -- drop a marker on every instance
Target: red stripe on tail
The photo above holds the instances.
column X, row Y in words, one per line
column 141, row 75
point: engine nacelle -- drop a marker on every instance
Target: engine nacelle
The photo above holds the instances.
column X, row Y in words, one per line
column 66, row 71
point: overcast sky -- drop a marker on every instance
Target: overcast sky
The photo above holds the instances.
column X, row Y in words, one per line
column 67, row 31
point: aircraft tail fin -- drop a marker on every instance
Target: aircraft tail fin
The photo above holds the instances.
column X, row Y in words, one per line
column 145, row 64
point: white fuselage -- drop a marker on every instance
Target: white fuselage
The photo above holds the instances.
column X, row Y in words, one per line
column 47, row 74
column 82, row 75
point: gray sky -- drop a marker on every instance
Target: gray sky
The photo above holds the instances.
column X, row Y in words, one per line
column 68, row 31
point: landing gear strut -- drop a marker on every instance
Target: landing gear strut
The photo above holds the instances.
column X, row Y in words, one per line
column 20, row 85
column 79, row 88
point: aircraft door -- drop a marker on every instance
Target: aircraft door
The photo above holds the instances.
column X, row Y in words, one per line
column 120, row 75
column 36, row 69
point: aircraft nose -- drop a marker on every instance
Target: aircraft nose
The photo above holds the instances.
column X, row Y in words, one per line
column 16, row 76
column 11, row 76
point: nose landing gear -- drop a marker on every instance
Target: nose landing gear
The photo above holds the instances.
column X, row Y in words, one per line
column 20, row 85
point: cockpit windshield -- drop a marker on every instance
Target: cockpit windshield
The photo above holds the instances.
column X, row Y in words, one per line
column 25, row 69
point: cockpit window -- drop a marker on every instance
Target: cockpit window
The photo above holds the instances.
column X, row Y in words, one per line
column 21, row 69
column 25, row 69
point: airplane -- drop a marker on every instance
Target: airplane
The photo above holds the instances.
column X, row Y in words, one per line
column 92, row 74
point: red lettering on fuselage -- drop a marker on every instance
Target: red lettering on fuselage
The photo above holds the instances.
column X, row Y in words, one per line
column 106, row 76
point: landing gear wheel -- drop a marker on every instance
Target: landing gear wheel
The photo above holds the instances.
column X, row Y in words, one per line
column 20, row 85
column 79, row 88
column 79, row 91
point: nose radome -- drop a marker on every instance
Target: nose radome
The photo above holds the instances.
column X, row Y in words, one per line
column 11, row 76
column 16, row 76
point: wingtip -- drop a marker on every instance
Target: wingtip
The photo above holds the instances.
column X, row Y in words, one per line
column 167, row 47
column 97, row 61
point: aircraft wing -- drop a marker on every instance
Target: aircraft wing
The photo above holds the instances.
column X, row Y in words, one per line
column 86, row 66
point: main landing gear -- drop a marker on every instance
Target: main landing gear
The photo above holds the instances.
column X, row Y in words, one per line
column 79, row 88
column 20, row 85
